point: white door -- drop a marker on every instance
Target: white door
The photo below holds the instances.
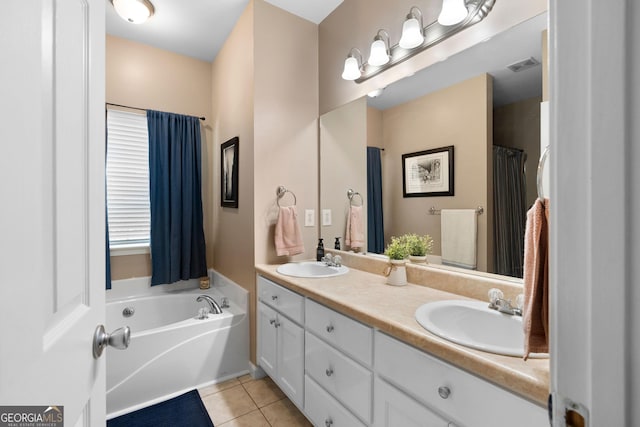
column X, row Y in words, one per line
column 267, row 332
column 52, row 254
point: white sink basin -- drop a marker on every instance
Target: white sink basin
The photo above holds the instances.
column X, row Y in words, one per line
column 311, row 269
column 473, row 324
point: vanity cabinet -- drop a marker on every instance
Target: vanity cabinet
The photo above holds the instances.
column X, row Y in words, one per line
column 281, row 338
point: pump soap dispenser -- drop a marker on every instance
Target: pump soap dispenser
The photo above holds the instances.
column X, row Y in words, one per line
column 320, row 250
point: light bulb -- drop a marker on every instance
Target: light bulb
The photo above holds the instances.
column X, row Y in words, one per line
column 134, row 11
column 453, row 12
column 379, row 55
column 411, row 34
column 351, row 69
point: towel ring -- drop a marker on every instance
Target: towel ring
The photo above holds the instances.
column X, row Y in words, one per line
column 539, row 177
column 281, row 191
column 351, row 194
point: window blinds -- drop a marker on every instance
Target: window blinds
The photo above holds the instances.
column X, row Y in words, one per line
column 127, row 178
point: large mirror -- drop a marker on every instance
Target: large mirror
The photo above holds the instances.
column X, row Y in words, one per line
column 473, row 101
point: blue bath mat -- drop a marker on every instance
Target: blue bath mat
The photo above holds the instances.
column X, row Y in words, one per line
column 186, row 410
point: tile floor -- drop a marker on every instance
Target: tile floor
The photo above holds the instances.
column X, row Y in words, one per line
column 245, row 402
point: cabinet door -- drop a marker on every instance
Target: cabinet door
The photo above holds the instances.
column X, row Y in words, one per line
column 290, row 356
column 267, row 331
column 394, row 408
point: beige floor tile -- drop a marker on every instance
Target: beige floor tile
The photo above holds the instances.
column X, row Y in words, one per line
column 263, row 391
column 228, row 404
column 214, row 388
column 283, row 413
column 252, row 419
column 246, row 378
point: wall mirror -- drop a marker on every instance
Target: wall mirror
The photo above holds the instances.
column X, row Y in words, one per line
column 471, row 100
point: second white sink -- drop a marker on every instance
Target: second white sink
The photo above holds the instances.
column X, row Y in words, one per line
column 310, row 269
column 473, row 324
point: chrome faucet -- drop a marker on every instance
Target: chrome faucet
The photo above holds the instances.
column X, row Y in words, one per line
column 330, row 261
column 213, row 305
column 497, row 302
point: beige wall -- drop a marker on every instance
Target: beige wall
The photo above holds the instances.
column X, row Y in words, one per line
column 355, row 22
column 343, row 165
column 460, row 116
column 143, row 76
column 517, row 125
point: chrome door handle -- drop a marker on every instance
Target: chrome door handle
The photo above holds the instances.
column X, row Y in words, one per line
column 119, row 339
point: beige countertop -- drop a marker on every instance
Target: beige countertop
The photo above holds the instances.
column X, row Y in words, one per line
column 365, row 297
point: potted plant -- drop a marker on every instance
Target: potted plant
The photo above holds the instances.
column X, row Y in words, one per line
column 418, row 247
column 397, row 251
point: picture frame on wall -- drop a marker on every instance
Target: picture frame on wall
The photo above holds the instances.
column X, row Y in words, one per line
column 428, row 173
column 229, row 160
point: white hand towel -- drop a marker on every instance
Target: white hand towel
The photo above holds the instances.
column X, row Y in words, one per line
column 459, row 236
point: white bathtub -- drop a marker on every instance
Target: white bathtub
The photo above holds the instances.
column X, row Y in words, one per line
column 171, row 351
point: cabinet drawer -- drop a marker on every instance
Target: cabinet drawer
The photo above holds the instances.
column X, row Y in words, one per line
column 285, row 301
column 323, row 410
column 349, row 382
column 342, row 332
column 470, row 401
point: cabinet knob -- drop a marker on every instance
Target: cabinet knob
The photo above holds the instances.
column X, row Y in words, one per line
column 274, row 297
column 329, row 372
column 328, row 422
column 277, row 324
column 272, row 321
column 444, row 392
column 330, row 328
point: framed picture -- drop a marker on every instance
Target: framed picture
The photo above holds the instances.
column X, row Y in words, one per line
column 428, row 173
column 229, row 157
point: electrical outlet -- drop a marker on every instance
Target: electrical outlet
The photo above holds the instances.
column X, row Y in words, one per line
column 326, row 216
column 309, row 218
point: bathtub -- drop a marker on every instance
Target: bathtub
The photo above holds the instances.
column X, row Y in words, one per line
column 172, row 351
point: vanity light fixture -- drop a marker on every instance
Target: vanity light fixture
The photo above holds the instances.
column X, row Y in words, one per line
column 453, row 12
column 134, row 11
column 379, row 54
column 353, row 65
column 412, row 33
column 456, row 15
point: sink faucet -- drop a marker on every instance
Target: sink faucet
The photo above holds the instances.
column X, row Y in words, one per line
column 504, row 306
column 213, row 305
column 330, row 261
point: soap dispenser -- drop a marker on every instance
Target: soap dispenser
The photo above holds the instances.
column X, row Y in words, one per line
column 320, row 250
column 336, row 245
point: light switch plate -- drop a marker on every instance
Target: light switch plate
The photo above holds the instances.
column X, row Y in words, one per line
column 309, row 218
column 326, row 216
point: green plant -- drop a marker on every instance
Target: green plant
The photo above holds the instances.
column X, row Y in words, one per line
column 397, row 249
column 418, row 245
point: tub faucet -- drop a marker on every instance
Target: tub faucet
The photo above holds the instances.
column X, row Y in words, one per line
column 213, row 305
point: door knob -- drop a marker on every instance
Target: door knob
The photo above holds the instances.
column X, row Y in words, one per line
column 118, row 339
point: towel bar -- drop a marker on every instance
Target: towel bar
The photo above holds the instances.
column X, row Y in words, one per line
column 434, row 211
column 351, row 194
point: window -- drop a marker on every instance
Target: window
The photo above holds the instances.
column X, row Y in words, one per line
column 127, row 179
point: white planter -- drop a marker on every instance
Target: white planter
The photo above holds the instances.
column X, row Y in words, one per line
column 415, row 259
column 397, row 273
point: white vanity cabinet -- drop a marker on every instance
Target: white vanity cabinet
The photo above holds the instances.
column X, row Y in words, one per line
column 461, row 398
column 281, row 338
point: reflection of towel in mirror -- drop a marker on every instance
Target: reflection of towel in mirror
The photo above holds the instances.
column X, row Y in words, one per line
column 288, row 238
column 458, row 234
column 354, row 237
column 535, row 316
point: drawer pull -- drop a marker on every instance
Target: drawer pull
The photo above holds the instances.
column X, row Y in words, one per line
column 328, row 422
column 444, row 392
column 330, row 328
column 329, row 372
column 274, row 297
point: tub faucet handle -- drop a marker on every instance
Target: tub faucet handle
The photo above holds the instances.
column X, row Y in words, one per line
column 225, row 302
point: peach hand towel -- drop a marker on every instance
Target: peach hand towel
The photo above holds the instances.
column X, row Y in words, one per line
column 354, row 237
column 535, row 318
column 288, row 238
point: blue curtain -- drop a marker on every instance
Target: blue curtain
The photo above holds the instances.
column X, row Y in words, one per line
column 510, row 210
column 106, row 219
column 177, row 235
column 375, row 226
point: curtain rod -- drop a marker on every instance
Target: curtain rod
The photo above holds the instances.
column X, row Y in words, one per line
column 138, row 108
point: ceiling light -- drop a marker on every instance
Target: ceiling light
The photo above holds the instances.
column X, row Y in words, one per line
column 352, row 65
column 134, row 11
column 412, row 32
column 379, row 54
column 453, row 12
